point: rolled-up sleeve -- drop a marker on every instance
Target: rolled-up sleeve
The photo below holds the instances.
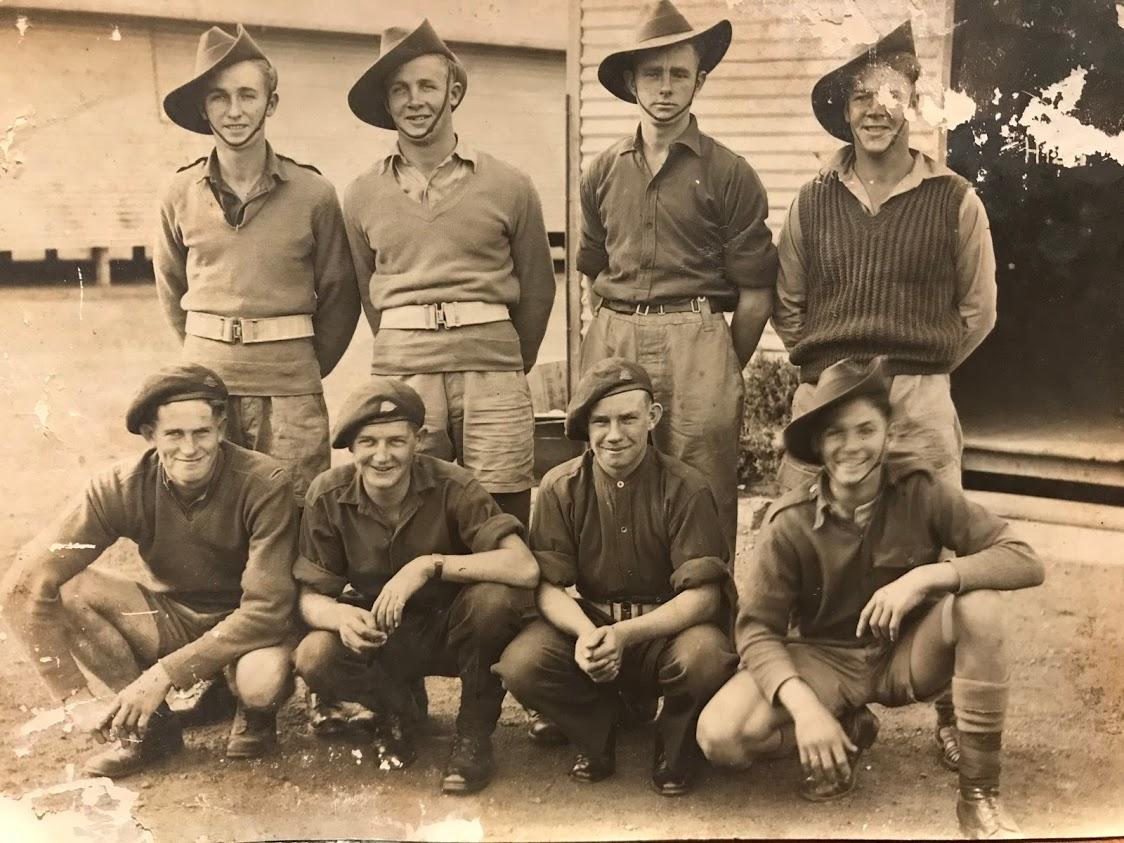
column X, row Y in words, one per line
column 748, row 254
column 322, row 562
column 264, row 617
column 482, row 524
column 552, row 539
column 764, row 613
column 698, row 549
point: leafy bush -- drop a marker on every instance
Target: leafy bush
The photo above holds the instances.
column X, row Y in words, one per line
column 769, row 385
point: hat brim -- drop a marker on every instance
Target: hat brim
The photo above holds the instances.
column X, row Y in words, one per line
column 800, row 433
column 715, row 41
column 184, row 105
column 367, row 97
column 829, row 94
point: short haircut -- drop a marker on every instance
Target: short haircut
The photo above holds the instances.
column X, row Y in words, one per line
column 904, row 63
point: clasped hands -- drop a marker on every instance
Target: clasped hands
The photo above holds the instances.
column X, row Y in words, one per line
column 598, row 652
column 363, row 631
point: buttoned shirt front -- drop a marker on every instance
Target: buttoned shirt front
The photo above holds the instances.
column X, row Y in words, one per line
column 430, row 190
column 825, row 566
column 642, row 538
column 695, row 228
column 234, row 207
column 347, row 540
column 975, row 255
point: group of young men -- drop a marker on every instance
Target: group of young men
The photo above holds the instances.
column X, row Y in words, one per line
column 874, row 579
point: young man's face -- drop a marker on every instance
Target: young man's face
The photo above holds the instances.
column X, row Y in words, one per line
column 618, row 430
column 237, row 102
column 421, row 94
column 876, row 108
column 186, row 436
column 853, row 441
column 384, row 453
column 665, row 81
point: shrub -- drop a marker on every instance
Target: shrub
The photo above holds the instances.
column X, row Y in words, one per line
column 769, row 385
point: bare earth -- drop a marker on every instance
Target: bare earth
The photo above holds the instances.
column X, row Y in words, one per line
column 69, row 365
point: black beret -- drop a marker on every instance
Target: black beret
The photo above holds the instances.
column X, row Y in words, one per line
column 181, row 382
column 378, row 400
column 607, row 377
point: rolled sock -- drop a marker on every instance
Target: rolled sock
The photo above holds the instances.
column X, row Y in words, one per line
column 980, row 711
column 946, row 711
column 981, row 706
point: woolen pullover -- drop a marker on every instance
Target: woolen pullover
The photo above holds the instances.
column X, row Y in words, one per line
column 231, row 550
column 484, row 241
column 288, row 255
column 881, row 284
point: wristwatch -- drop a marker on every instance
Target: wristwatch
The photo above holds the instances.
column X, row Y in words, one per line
column 438, row 565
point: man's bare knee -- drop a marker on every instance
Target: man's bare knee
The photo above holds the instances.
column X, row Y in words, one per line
column 263, row 679
column 979, row 615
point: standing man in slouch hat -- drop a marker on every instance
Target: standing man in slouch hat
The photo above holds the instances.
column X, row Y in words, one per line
column 453, row 265
column 886, row 252
column 251, row 260
column 674, row 237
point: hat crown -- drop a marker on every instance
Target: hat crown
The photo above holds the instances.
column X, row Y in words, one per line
column 660, row 20
column 845, row 375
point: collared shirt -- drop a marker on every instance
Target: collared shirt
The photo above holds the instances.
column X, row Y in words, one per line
column 826, row 568
column 643, row 538
column 347, row 540
column 231, row 549
column 975, row 256
column 282, row 251
column 827, row 505
column 695, row 228
column 430, row 190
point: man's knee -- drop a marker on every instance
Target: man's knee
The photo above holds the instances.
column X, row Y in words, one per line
column 87, row 590
column 525, row 662
column 736, row 724
column 698, row 660
column 493, row 610
column 316, row 656
column 979, row 615
column 264, row 678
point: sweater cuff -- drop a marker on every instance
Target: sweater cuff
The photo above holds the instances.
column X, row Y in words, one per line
column 771, row 666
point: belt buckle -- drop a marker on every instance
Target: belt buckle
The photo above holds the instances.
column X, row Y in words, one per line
column 231, row 329
column 696, row 304
column 447, row 315
column 643, row 309
column 626, row 610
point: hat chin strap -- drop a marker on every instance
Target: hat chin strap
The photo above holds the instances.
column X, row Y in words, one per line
column 249, row 137
column 433, row 126
column 670, row 119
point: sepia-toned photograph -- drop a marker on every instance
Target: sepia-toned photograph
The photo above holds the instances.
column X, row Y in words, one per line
column 561, row 420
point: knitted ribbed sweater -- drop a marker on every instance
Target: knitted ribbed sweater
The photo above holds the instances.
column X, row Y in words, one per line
column 882, row 283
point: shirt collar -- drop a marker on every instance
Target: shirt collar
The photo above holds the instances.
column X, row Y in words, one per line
column 690, row 138
column 842, row 162
column 462, row 150
column 826, row 503
column 421, row 479
column 273, row 167
column 646, row 467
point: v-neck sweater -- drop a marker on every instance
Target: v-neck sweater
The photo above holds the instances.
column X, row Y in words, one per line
column 485, row 241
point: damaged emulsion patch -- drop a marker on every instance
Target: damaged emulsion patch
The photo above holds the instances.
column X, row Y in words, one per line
column 1050, row 121
column 83, row 809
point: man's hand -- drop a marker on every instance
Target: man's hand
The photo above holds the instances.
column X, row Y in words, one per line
column 131, row 710
column 402, row 586
column 598, row 653
column 823, row 745
column 89, row 713
column 888, row 607
column 357, row 629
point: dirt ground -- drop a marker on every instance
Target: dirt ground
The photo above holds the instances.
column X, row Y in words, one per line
column 70, row 360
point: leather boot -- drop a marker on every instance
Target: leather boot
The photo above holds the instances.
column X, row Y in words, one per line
column 666, row 779
column 470, row 765
column 252, row 734
column 393, row 742
column 164, row 737
column 982, row 817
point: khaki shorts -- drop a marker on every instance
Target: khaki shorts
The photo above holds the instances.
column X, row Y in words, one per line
column 482, row 420
column 849, row 677
column 290, row 428
column 177, row 624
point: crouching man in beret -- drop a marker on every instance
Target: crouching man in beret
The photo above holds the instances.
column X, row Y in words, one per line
column 855, row 558
column 637, row 532
column 216, row 529
column 440, row 581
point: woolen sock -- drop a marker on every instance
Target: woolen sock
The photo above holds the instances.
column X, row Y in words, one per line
column 981, row 708
column 946, row 711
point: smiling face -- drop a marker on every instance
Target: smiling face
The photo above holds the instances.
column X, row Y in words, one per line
column 384, row 453
column 421, row 95
column 618, row 430
column 186, row 436
column 238, row 100
column 876, row 108
column 852, row 443
column 665, row 81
